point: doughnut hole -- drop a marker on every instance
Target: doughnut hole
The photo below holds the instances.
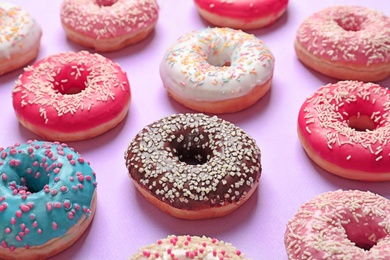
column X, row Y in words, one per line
column 25, row 178
column 361, row 123
column 365, row 233
column 218, row 59
column 350, row 22
column 71, row 79
column 191, row 148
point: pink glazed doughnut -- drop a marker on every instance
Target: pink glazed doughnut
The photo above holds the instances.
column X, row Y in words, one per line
column 340, row 225
column 217, row 70
column 71, row 96
column 108, row 25
column 345, row 129
column 346, row 42
column 241, row 14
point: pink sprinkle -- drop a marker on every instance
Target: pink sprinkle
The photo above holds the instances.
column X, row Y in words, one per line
column 3, row 207
column 77, row 207
column 24, row 208
column 18, row 238
column 37, row 175
column 35, row 224
column 69, row 156
column 35, row 164
column 26, row 231
column 54, row 225
column 89, row 178
column 2, row 198
column 72, row 162
column 54, row 192
column 238, row 252
column 56, row 179
column 18, row 214
column 49, row 206
column 30, row 150
column 3, row 155
column 13, row 221
column 70, row 215
column 4, row 244
column 13, row 151
column 4, row 176
column 81, row 178
column 80, row 186
column 64, row 188
column 71, row 178
column 7, row 230
column 67, row 204
column 12, row 248
column 57, row 205
column 22, row 226
column 80, row 160
column 56, row 170
column 39, row 231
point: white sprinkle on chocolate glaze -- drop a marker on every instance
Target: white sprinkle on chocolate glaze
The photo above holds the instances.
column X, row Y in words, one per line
column 193, row 161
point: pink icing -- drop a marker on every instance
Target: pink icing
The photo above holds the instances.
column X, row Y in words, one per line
column 103, row 19
column 71, row 92
column 247, row 9
column 340, row 225
column 347, row 34
column 324, row 118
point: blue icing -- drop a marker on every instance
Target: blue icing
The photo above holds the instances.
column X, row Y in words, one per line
column 45, row 189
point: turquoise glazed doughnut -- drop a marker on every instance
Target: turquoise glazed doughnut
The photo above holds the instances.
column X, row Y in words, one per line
column 47, row 199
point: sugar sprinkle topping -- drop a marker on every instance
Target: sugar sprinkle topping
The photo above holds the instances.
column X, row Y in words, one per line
column 227, row 161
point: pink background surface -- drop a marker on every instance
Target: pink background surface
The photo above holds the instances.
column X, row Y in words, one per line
column 124, row 220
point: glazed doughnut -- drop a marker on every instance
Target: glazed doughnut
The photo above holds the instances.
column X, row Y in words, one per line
column 241, row 14
column 108, row 25
column 71, row 96
column 217, row 70
column 345, row 128
column 48, row 199
column 188, row 247
column 346, row 42
column 340, row 225
column 20, row 37
column 193, row 166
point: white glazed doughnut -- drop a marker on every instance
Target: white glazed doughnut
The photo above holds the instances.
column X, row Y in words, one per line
column 217, row 70
column 20, row 37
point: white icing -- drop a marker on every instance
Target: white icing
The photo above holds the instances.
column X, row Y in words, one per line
column 193, row 68
column 18, row 31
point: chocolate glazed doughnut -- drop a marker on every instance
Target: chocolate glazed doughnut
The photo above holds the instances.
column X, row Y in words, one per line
column 193, row 166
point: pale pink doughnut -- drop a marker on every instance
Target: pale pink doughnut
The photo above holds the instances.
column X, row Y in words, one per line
column 340, row 225
column 346, row 42
column 108, row 25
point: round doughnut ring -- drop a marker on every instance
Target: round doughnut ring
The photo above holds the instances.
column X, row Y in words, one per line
column 189, row 247
column 217, row 70
column 108, row 25
column 340, row 225
column 345, row 128
column 346, row 42
column 193, row 166
column 20, row 37
column 241, row 14
column 47, row 199
column 71, row 96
